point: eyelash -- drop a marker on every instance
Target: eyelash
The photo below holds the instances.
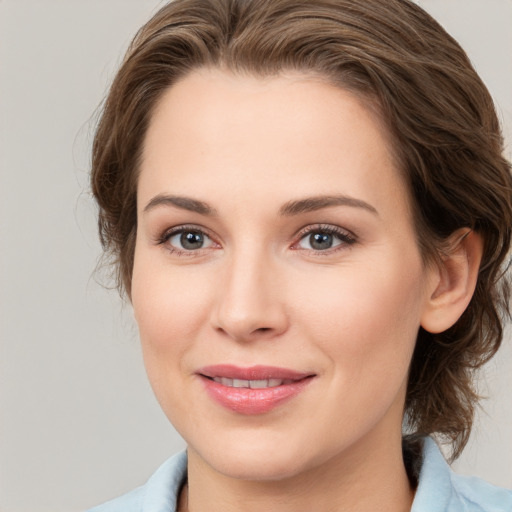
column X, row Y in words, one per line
column 346, row 239
column 167, row 235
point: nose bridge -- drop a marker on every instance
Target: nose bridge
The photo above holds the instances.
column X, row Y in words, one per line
column 250, row 303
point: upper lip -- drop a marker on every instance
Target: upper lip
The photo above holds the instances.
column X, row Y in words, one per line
column 258, row 372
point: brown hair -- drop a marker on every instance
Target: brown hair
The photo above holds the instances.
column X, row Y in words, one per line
column 440, row 116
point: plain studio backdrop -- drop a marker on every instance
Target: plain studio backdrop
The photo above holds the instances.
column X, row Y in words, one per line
column 79, row 423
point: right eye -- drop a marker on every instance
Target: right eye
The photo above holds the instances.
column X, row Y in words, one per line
column 186, row 240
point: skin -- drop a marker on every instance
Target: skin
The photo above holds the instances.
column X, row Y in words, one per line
column 258, row 293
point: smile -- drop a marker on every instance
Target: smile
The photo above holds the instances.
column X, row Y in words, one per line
column 252, row 384
column 254, row 390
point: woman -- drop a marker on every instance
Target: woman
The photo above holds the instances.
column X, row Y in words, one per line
column 309, row 210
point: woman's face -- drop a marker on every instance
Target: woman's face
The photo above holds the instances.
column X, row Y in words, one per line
column 277, row 284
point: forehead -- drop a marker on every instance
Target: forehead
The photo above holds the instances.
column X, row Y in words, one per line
column 292, row 132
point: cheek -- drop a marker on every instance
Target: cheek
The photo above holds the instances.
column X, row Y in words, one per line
column 171, row 308
column 366, row 318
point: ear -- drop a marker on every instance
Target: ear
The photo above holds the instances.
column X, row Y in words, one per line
column 453, row 281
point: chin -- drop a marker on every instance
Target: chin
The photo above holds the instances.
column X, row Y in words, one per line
column 261, row 466
column 256, row 460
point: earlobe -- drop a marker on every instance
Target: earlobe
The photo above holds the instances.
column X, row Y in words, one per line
column 453, row 282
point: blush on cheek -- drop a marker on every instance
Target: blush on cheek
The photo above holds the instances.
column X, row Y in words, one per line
column 170, row 305
column 367, row 320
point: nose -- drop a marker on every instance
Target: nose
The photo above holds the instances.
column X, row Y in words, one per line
column 250, row 301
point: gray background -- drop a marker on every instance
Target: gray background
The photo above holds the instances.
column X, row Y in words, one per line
column 78, row 422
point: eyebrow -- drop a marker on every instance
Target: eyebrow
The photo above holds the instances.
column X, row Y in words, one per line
column 295, row 207
column 310, row 204
column 185, row 203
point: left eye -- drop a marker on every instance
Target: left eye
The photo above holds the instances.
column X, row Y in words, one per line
column 321, row 240
column 189, row 240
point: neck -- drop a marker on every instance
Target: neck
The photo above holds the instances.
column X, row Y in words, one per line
column 359, row 479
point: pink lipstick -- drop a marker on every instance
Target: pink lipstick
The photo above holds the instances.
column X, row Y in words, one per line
column 253, row 390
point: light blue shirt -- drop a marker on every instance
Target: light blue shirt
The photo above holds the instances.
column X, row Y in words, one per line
column 439, row 489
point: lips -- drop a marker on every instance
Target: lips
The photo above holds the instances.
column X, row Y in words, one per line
column 253, row 383
column 254, row 390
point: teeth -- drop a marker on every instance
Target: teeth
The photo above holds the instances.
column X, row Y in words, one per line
column 258, row 384
column 239, row 383
column 253, row 384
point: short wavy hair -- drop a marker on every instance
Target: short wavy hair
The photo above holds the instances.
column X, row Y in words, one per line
column 442, row 123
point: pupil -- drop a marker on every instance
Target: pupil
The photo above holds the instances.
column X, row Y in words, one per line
column 191, row 240
column 321, row 241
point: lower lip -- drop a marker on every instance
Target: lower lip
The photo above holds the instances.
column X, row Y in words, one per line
column 253, row 401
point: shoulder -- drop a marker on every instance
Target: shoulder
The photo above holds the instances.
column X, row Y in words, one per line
column 481, row 496
column 159, row 493
column 442, row 490
column 130, row 502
